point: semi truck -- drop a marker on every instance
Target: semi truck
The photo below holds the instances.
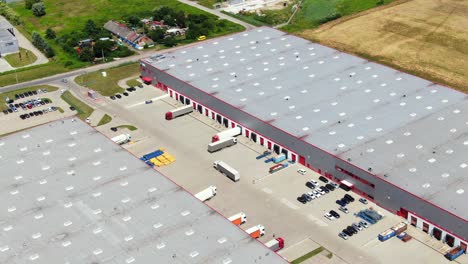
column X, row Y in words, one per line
column 207, row 193
column 224, row 143
column 454, row 253
column 122, row 139
column 275, row 244
column 256, row 231
column 238, row 219
column 387, row 234
column 226, row 170
column 232, row 132
column 398, row 228
column 179, row 112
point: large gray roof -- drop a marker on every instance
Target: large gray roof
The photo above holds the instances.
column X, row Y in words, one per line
column 413, row 131
column 69, row 195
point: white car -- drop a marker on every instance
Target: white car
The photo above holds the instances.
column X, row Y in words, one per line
column 343, row 236
column 88, row 120
column 320, row 191
column 317, row 194
column 364, row 224
column 314, row 182
column 344, row 210
column 312, row 195
column 357, row 226
column 329, row 216
column 334, row 184
column 301, row 171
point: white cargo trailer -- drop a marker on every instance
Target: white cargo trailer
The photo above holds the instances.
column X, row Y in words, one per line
column 224, row 143
column 179, row 112
column 229, row 171
column 122, row 139
column 206, row 194
column 232, row 132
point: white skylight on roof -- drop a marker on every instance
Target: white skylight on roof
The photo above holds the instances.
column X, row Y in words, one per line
column 418, row 97
column 321, row 62
column 463, row 165
column 359, row 137
column 288, row 45
column 343, row 87
column 426, row 185
column 194, row 254
column 359, row 82
column 337, row 79
column 215, row 43
column 334, row 103
column 444, row 101
column 449, row 151
column 453, row 130
column 238, row 90
column 398, row 79
column 316, row 110
column 188, row 66
column 268, row 43
column 370, row 150
column 130, row 260
column 389, row 141
column 266, row 69
column 332, row 133
column 292, row 107
column 429, row 107
column 305, row 67
column 367, row 90
column 243, row 99
column 413, row 170
column 431, row 160
column 402, row 104
column 419, row 146
column 375, row 76
column 392, row 94
column 376, row 100
column 258, row 55
column 305, row 128
column 407, row 133
column 256, row 84
column 351, row 125
column 226, row 64
column 304, row 91
column 161, row 245
column 434, row 91
column 192, row 74
column 7, row 228
column 209, row 69
column 341, row 145
column 253, row 47
column 400, row 155
column 460, row 191
column 413, row 114
column 249, row 74
column 342, row 114
column 242, row 59
column 456, row 111
column 312, row 54
column 441, row 118
column 279, row 87
column 311, row 75
column 299, row 117
column 368, row 68
column 336, row 57
column 445, row 175
column 324, row 121
column 368, row 117
column 206, row 56
column 273, row 113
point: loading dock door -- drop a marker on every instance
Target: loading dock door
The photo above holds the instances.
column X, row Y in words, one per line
column 206, row 112
column 269, row 145
column 253, row 136
column 182, row 99
column 276, row 149
column 293, row 157
column 225, row 122
column 262, row 141
column 200, row 109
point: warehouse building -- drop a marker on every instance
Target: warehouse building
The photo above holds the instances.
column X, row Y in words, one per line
column 394, row 138
column 69, row 195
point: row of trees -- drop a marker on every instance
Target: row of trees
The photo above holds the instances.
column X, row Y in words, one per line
column 42, row 45
column 37, row 6
column 9, row 14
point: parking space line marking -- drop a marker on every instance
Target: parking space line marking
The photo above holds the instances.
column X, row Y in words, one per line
column 152, row 99
column 289, row 204
column 317, row 220
column 267, row 190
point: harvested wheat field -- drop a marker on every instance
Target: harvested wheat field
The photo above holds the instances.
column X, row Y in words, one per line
column 428, row 38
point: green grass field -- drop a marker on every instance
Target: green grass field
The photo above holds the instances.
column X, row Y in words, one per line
column 104, row 120
column 27, row 57
column 11, row 94
column 31, row 73
column 107, row 86
column 129, row 127
column 313, row 12
column 133, row 82
column 83, row 109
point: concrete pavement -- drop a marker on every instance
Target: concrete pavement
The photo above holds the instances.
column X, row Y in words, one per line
column 218, row 13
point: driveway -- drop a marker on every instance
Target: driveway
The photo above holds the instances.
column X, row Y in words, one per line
column 25, row 43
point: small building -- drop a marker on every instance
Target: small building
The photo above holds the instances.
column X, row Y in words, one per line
column 176, row 31
column 92, row 94
column 131, row 37
column 8, row 40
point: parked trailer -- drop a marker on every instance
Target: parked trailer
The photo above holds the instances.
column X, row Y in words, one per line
column 387, row 234
column 238, row 219
column 454, row 253
column 256, row 231
column 232, row 132
column 122, row 139
column 207, row 194
column 224, row 143
column 227, row 170
column 279, row 158
column 265, row 153
column 398, row 228
column 275, row 244
column 151, row 155
column 179, row 112
column 278, row 167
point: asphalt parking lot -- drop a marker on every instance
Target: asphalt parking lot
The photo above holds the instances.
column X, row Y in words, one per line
column 13, row 122
column 266, row 199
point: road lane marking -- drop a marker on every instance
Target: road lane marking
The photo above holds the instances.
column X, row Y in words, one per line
column 152, row 99
column 289, row 204
column 267, row 190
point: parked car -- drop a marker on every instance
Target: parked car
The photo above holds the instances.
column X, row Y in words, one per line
column 347, row 232
column 362, row 200
column 325, row 180
column 125, row 93
column 30, row 93
column 357, row 226
column 351, row 229
column 301, row 171
column 9, row 110
column 329, row 216
column 310, row 185
column 317, row 193
column 334, row 213
column 364, row 224
column 72, row 108
column 21, row 95
column 112, row 97
column 329, row 187
column 343, row 236
column 344, row 210
column 5, row 112
column 118, row 96
column 302, row 199
column 340, row 203
column 322, row 192
column 349, row 197
column 324, row 189
column 22, row 117
column 148, row 101
column 314, row 182
column 113, row 129
column 311, row 195
column 129, row 89
column 344, row 200
column 34, row 92
column 307, row 197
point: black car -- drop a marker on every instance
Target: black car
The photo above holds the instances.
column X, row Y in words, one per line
column 349, row 197
column 10, row 111
column 17, row 105
column 325, row 180
column 334, row 214
column 118, row 96
column 330, row 187
column 5, row 112
column 22, row 117
column 302, row 199
column 113, row 129
column 346, row 231
column 26, row 115
column 17, row 96
column 125, row 93
column 47, row 101
column 43, row 103
column 21, row 95
column 34, row 92
column 345, row 201
column 324, row 189
column 72, row 108
column 25, row 94
column 129, row 89
column 40, row 112
column 352, row 229
column 30, row 93
column 112, row 97
column 310, row 185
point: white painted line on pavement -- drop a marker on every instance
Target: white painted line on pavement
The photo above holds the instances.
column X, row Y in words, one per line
column 152, row 99
column 267, row 190
column 317, row 220
column 289, row 204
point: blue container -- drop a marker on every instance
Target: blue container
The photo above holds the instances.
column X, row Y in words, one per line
column 151, row 155
column 269, row 160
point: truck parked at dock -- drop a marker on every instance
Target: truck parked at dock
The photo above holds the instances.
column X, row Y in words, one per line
column 227, row 170
column 238, row 219
column 179, row 112
column 275, row 244
column 232, row 132
column 256, row 231
column 224, row 143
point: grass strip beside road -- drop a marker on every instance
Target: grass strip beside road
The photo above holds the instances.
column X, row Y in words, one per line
column 104, row 120
column 133, row 83
column 27, row 57
column 108, row 85
column 11, row 94
column 83, row 109
column 129, row 127
column 307, row 256
column 31, row 73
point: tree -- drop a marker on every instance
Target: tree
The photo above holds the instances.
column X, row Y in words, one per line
column 86, row 54
column 50, row 34
column 103, row 46
column 49, row 52
column 180, row 19
column 169, row 41
column 133, row 21
column 29, row 3
column 162, row 12
column 39, row 9
column 90, row 28
column 157, row 34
